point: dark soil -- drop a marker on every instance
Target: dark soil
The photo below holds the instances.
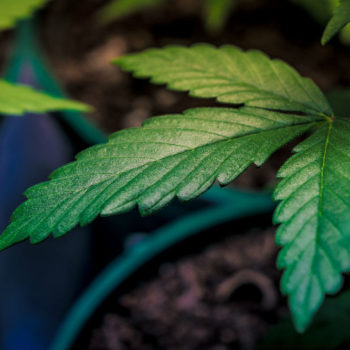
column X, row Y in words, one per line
column 223, row 298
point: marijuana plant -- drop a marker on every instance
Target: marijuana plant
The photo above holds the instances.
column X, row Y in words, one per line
column 182, row 155
column 216, row 14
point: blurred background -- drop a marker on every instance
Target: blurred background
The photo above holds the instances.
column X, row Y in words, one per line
column 207, row 293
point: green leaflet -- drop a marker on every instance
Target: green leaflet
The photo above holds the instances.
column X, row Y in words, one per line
column 173, row 155
column 216, row 14
column 329, row 330
column 20, row 99
column 13, row 10
column 230, row 75
column 315, row 217
column 120, row 8
column 340, row 18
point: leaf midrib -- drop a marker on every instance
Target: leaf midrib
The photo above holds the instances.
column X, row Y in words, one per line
column 146, row 165
column 323, row 165
column 225, row 139
column 318, row 244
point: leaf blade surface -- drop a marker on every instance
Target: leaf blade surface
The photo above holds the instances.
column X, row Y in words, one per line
column 314, row 216
column 230, row 75
column 341, row 17
column 178, row 155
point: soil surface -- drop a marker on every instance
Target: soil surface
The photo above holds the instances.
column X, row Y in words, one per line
column 223, row 298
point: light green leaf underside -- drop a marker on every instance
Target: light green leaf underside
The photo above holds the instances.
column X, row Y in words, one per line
column 20, row 99
column 121, row 8
column 173, row 155
column 315, row 217
column 340, row 18
column 13, row 10
column 216, row 13
column 230, row 75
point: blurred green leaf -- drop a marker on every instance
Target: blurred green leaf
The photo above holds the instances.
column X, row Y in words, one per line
column 341, row 17
column 13, row 10
column 20, row 99
column 216, row 13
column 117, row 9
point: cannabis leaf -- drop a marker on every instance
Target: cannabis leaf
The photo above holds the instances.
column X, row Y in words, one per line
column 13, row 10
column 340, row 18
column 216, row 13
column 315, row 217
column 173, row 155
column 120, row 8
column 230, row 75
column 20, row 99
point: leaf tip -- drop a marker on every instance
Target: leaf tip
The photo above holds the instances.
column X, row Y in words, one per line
column 324, row 39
